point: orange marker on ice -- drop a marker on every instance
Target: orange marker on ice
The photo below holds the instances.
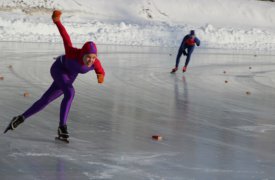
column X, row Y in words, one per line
column 157, row 137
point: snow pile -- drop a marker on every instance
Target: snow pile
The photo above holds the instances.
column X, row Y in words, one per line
column 234, row 24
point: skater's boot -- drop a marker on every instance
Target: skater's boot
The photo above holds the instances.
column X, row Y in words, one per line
column 63, row 132
column 184, row 69
column 15, row 122
column 174, row 70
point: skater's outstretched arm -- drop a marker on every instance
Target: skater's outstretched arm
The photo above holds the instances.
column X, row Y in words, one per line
column 71, row 52
column 198, row 42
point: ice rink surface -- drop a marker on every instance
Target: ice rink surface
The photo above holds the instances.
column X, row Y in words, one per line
column 211, row 129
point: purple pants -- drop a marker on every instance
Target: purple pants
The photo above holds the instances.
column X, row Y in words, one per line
column 62, row 84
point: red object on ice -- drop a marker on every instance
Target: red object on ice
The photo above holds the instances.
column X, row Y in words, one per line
column 157, row 137
column 1, row 78
column 26, row 94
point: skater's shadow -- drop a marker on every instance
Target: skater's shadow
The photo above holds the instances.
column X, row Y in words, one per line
column 181, row 95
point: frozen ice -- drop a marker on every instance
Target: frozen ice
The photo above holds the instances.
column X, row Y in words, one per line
column 210, row 130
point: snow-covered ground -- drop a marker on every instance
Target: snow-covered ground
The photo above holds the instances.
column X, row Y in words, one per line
column 235, row 24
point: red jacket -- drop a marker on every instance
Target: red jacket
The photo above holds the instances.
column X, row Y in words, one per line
column 77, row 54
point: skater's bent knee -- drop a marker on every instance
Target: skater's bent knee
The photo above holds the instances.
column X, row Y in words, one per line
column 69, row 92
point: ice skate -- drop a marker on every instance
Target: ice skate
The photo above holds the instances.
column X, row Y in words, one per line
column 63, row 134
column 14, row 123
column 174, row 70
column 184, row 69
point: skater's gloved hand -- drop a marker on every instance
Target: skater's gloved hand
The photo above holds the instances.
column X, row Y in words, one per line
column 56, row 16
column 100, row 78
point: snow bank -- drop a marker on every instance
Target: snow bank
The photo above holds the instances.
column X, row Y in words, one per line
column 234, row 24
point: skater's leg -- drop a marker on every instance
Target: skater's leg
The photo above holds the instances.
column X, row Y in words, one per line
column 66, row 104
column 51, row 94
column 64, row 82
column 188, row 57
column 187, row 60
column 178, row 58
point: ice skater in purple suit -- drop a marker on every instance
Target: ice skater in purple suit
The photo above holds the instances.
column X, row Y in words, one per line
column 64, row 71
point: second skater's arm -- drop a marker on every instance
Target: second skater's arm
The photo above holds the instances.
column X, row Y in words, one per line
column 198, row 42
